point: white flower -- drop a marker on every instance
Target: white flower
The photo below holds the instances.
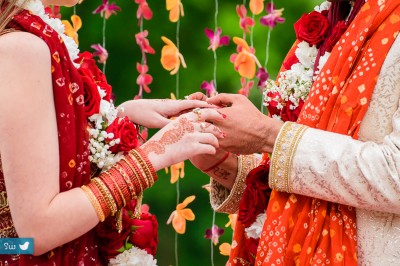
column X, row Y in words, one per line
column 324, row 6
column 306, row 54
column 322, row 61
column 254, row 230
column 133, row 257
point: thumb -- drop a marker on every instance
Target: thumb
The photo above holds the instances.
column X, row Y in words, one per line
column 223, row 99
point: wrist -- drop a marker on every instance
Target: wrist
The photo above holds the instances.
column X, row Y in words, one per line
column 272, row 129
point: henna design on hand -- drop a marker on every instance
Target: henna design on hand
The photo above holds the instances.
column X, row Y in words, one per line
column 169, row 137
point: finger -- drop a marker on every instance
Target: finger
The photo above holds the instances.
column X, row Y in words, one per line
column 205, row 127
column 207, row 138
column 191, row 104
column 211, row 115
column 205, row 149
column 223, row 99
column 201, row 115
column 197, row 96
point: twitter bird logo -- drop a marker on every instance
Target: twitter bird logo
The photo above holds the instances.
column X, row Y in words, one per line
column 24, row 246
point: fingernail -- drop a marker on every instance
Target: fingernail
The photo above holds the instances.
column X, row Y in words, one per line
column 224, row 134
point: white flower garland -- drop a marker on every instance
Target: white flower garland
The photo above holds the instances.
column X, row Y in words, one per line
column 99, row 148
column 294, row 84
column 133, row 257
column 37, row 8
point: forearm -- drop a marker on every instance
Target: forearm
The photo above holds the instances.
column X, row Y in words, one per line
column 68, row 216
column 337, row 168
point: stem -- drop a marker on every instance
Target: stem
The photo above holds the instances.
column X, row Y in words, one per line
column 177, row 46
column 176, row 234
column 104, row 41
column 211, row 242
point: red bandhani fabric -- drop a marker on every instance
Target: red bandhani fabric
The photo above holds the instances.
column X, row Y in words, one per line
column 304, row 231
column 73, row 141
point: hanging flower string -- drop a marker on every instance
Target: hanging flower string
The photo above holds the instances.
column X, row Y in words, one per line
column 171, row 60
column 105, row 10
column 144, row 79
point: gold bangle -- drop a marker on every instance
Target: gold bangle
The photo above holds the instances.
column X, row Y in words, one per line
column 107, row 195
column 95, row 203
column 146, row 165
column 142, row 169
column 126, row 178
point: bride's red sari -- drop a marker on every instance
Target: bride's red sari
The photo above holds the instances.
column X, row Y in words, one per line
column 73, row 148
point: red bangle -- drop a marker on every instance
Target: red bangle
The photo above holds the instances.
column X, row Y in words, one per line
column 218, row 163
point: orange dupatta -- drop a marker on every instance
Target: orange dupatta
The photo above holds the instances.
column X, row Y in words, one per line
column 300, row 230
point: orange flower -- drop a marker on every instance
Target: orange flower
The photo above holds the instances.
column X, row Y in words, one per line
column 72, row 30
column 232, row 221
column 256, row 6
column 181, row 214
column 177, row 170
column 225, row 249
column 175, row 9
column 171, row 58
column 244, row 61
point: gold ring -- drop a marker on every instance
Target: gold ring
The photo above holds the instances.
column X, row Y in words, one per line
column 197, row 111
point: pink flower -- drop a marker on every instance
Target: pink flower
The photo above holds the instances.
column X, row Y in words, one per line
column 216, row 40
column 209, row 87
column 144, row 10
column 143, row 42
column 143, row 79
column 106, row 9
column 214, row 233
column 262, row 76
column 245, row 21
column 246, row 86
column 273, row 17
column 101, row 52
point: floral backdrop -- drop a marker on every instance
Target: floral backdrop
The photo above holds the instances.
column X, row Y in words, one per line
column 122, row 72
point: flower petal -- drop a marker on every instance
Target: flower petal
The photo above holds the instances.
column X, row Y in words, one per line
column 225, row 249
column 76, row 22
column 179, row 224
column 187, row 214
column 188, row 200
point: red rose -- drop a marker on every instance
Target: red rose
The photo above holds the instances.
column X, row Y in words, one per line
column 91, row 94
column 256, row 195
column 145, row 235
column 126, row 132
column 86, row 61
column 312, row 28
column 110, row 241
column 291, row 115
column 337, row 32
column 273, row 105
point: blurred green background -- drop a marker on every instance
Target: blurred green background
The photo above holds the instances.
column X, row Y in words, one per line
column 193, row 248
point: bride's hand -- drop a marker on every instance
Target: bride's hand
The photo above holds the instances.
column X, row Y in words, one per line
column 156, row 113
column 183, row 138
